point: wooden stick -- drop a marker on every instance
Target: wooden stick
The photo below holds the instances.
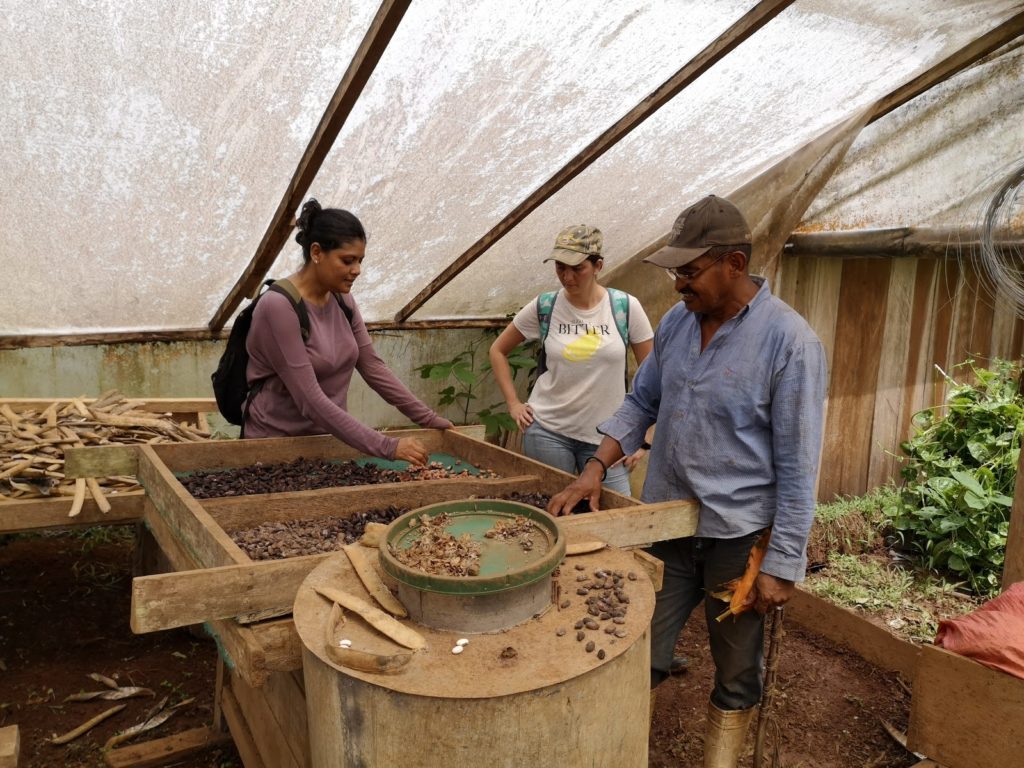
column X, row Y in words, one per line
column 97, row 494
column 87, row 725
column 79, row 500
column 17, row 468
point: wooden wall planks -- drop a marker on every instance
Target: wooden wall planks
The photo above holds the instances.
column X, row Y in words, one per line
column 886, row 324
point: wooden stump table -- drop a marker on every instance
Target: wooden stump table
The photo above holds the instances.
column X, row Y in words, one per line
column 525, row 696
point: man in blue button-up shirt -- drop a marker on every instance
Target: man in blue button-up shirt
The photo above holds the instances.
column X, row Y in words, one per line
column 736, row 384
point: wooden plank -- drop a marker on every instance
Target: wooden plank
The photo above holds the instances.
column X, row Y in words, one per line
column 165, row 601
column 223, row 454
column 917, row 381
column 152, row 404
column 963, row 714
column 984, row 319
column 205, row 334
column 966, row 300
column 845, row 627
column 49, row 514
column 192, row 525
column 505, row 462
column 279, row 644
column 238, row 647
column 240, row 732
column 743, row 28
column 1013, row 565
column 102, row 461
column 266, row 731
column 890, row 392
column 818, row 285
column 859, row 326
column 168, row 749
column 1003, row 322
column 947, row 282
column 286, row 699
column 10, row 746
column 655, row 568
column 635, row 526
column 234, row 513
column 372, row 47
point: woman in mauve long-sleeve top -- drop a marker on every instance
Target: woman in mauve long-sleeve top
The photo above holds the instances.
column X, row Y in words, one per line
column 305, row 384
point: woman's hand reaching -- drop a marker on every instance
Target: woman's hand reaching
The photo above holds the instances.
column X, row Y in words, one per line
column 412, row 450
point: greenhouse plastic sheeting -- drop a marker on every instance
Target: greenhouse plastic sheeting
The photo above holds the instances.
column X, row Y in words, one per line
column 148, row 145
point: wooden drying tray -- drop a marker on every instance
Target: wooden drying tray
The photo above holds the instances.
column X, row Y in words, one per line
column 216, row 583
column 22, row 516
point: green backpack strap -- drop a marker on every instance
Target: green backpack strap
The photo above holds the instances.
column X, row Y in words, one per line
column 545, row 307
column 620, row 311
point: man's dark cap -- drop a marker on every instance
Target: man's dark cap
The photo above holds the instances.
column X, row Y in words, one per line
column 709, row 222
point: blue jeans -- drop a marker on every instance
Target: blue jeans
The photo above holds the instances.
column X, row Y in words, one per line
column 694, row 568
column 569, row 455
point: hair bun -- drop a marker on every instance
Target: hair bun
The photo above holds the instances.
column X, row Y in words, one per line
column 305, row 221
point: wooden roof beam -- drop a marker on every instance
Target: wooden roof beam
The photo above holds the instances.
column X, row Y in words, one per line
column 967, row 56
column 205, row 334
column 376, row 40
column 747, row 25
column 957, row 62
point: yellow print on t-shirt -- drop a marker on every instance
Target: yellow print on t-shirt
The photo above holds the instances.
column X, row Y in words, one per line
column 583, row 348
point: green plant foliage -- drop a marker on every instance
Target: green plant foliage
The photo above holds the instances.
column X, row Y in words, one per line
column 953, row 512
column 466, row 374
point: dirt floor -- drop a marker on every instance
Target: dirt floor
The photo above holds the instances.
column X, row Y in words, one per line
column 830, row 705
column 64, row 608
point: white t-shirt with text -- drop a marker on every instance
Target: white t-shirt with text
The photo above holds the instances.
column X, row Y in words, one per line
column 584, row 383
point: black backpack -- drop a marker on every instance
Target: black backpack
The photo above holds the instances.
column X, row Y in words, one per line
column 229, row 384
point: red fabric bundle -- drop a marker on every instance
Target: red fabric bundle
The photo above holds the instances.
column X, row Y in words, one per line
column 992, row 635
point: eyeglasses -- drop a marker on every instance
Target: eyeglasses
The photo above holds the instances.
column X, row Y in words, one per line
column 689, row 275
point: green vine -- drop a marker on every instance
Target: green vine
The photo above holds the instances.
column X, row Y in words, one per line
column 953, row 512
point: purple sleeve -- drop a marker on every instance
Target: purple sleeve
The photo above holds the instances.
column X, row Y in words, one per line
column 276, row 333
column 377, row 374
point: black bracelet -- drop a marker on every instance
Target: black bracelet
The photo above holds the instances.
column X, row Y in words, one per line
column 645, row 446
column 604, row 467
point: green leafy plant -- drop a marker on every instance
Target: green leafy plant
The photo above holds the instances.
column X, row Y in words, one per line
column 953, row 512
column 466, row 375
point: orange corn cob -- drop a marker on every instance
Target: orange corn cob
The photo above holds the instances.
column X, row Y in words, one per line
column 735, row 592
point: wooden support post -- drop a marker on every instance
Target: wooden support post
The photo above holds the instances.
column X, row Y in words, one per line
column 376, row 40
column 1013, row 565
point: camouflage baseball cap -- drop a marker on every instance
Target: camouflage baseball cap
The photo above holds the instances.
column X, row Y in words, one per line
column 574, row 244
column 709, row 222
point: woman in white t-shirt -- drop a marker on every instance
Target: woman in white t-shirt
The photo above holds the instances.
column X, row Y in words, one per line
column 583, row 379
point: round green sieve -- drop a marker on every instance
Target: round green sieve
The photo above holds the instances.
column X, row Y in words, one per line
column 503, row 564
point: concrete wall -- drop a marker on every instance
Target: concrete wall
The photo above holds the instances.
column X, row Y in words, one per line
column 182, row 369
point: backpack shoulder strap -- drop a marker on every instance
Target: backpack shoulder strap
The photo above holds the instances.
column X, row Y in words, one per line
column 620, row 311
column 545, row 307
column 287, row 288
column 344, row 307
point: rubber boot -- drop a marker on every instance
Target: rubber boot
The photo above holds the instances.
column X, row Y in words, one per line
column 723, row 739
